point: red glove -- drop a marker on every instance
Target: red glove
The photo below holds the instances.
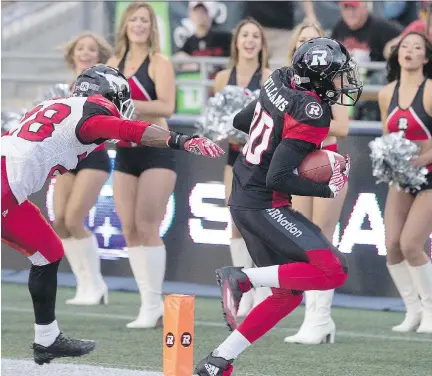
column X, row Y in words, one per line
column 203, row 146
column 339, row 178
column 194, row 144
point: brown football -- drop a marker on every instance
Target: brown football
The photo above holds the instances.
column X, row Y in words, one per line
column 317, row 166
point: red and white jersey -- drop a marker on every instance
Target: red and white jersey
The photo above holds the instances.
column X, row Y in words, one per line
column 47, row 142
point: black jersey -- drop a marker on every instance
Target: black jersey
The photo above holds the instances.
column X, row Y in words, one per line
column 284, row 125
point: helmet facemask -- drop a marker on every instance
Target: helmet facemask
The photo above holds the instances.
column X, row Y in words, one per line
column 347, row 86
column 126, row 107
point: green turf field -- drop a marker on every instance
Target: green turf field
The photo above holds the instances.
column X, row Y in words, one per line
column 365, row 346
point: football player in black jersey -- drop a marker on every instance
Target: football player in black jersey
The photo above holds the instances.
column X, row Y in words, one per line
column 290, row 119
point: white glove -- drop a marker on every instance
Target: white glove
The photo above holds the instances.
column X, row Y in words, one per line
column 339, row 178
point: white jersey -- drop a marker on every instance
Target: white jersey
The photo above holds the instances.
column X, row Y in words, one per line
column 44, row 144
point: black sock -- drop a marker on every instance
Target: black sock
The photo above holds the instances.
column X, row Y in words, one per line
column 42, row 285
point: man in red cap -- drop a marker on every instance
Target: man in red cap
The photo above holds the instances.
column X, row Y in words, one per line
column 363, row 34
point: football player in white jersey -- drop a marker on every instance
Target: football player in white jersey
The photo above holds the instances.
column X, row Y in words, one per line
column 51, row 139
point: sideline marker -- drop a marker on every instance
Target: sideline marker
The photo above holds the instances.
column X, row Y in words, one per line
column 178, row 335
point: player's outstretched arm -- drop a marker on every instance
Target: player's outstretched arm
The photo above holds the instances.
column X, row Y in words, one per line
column 281, row 176
column 99, row 128
column 156, row 136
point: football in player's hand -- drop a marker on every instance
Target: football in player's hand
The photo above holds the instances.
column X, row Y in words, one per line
column 317, row 166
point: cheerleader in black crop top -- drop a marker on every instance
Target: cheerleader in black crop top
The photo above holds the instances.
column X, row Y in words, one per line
column 249, row 59
column 406, row 105
column 144, row 177
column 135, row 160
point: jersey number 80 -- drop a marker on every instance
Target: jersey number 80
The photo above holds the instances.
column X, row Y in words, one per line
column 259, row 136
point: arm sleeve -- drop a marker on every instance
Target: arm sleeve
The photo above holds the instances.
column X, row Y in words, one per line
column 102, row 127
column 281, row 177
column 101, row 121
column 242, row 121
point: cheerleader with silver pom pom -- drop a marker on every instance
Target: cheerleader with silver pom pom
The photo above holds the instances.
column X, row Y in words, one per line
column 403, row 159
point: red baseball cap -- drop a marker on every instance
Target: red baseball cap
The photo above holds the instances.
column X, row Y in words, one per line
column 351, row 3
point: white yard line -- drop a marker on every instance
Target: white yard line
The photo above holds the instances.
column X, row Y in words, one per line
column 109, row 316
column 26, row 367
column 15, row 367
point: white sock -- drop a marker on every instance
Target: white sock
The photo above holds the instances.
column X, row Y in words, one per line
column 45, row 335
column 267, row 276
column 233, row 346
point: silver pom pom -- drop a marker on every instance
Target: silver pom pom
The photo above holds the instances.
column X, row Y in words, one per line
column 11, row 119
column 391, row 155
column 56, row 91
column 216, row 123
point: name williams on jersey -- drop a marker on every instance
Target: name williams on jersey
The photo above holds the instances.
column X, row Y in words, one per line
column 272, row 91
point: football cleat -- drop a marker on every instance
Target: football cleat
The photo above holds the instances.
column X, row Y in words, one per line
column 233, row 283
column 62, row 347
column 214, row 366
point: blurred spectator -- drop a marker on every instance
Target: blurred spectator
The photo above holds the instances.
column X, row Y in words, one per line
column 365, row 36
column 403, row 12
column 277, row 18
column 362, row 33
column 204, row 41
column 420, row 25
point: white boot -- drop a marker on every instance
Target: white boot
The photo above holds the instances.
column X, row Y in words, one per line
column 95, row 290
column 422, row 276
column 148, row 267
column 241, row 257
column 404, row 282
column 310, row 307
column 73, row 254
column 318, row 326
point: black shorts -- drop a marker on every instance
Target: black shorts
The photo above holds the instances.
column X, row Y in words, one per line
column 281, row 236
column 136, row 160
column 425, row 186
column 233, row 153
column 96, row 160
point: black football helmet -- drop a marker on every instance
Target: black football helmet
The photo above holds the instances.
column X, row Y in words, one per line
column 324, row 65
column 108, row 82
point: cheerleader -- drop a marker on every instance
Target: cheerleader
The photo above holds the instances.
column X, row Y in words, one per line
column 144, row 177
column 406, row 105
